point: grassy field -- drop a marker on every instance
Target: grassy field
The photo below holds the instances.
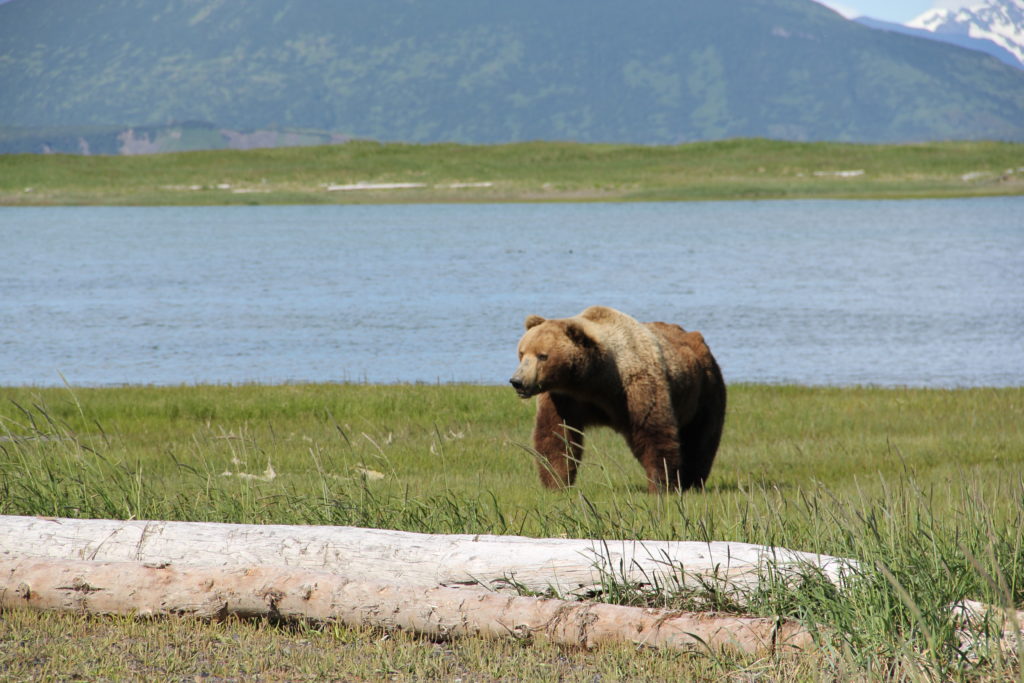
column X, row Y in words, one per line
column 540, row 171
column 925, row 487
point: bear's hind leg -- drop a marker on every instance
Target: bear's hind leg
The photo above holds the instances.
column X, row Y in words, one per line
column 558, row 440
column 658, row 452
column 700, row 441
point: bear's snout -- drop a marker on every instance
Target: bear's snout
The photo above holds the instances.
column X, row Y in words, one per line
column 521, row 387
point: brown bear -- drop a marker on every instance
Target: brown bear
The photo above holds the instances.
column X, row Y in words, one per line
column 655, row 383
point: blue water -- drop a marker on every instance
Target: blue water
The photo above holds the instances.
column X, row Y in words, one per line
column 917, row 293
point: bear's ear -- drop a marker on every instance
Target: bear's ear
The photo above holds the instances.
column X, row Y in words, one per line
column 578, row 335
column 533, row 320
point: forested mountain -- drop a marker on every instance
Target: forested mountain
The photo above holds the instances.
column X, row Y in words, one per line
column 647, row 71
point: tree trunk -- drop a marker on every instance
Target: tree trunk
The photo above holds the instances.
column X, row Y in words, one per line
column 289, row 593
column 569, row 566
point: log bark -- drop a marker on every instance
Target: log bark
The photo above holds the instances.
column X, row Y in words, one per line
column 569, row 566
column 290, row 593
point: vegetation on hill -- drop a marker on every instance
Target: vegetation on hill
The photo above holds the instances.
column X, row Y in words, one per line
column 652, row 72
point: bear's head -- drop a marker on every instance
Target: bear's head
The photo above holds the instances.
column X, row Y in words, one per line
column 552, row 355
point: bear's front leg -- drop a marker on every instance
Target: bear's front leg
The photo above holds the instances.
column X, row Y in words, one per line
column 558, row 440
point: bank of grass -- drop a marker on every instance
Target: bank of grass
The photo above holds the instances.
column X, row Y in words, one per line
column 924, row 487
column 535, row 171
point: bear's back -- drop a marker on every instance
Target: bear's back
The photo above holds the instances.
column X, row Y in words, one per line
column 689, row 366
column 681, row 340
column 686, row 353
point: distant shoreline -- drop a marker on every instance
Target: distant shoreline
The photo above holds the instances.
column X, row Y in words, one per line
column 375, row 173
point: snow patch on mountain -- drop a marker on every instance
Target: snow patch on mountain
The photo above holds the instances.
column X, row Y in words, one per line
column 998, row 21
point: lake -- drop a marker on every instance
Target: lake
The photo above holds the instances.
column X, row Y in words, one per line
column 914, row 293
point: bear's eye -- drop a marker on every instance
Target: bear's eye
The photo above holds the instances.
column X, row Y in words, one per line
column 542, row 356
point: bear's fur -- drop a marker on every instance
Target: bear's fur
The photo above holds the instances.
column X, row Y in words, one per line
column 655, row 383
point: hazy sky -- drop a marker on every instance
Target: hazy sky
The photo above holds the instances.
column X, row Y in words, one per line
column 899, row 11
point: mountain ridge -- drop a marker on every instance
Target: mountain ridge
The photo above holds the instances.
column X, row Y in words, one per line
column 960, row 40
column 653, row 72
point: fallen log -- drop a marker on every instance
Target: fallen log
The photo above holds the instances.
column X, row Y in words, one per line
column 975, row 618
column 568, row 566
column 289, row 593
column 361, row 561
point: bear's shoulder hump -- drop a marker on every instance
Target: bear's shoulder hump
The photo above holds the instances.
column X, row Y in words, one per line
column 602, row 314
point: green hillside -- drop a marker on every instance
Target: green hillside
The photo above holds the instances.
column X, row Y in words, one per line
column 652, row 71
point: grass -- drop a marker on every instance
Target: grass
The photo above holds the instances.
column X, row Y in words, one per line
column 537, row 171
column 65, row 647
column 924, row 487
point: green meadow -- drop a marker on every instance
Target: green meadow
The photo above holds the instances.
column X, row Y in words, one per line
column 925, row 487
column 535, row 171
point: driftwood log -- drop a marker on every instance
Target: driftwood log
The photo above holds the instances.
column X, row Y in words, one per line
column 568, row 566
column 289, row 593
column 437, row 585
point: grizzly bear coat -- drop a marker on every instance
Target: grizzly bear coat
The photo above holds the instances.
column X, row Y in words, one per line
column 655, row 383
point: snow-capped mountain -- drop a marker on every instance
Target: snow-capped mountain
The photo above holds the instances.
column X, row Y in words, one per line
column 998, row 21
